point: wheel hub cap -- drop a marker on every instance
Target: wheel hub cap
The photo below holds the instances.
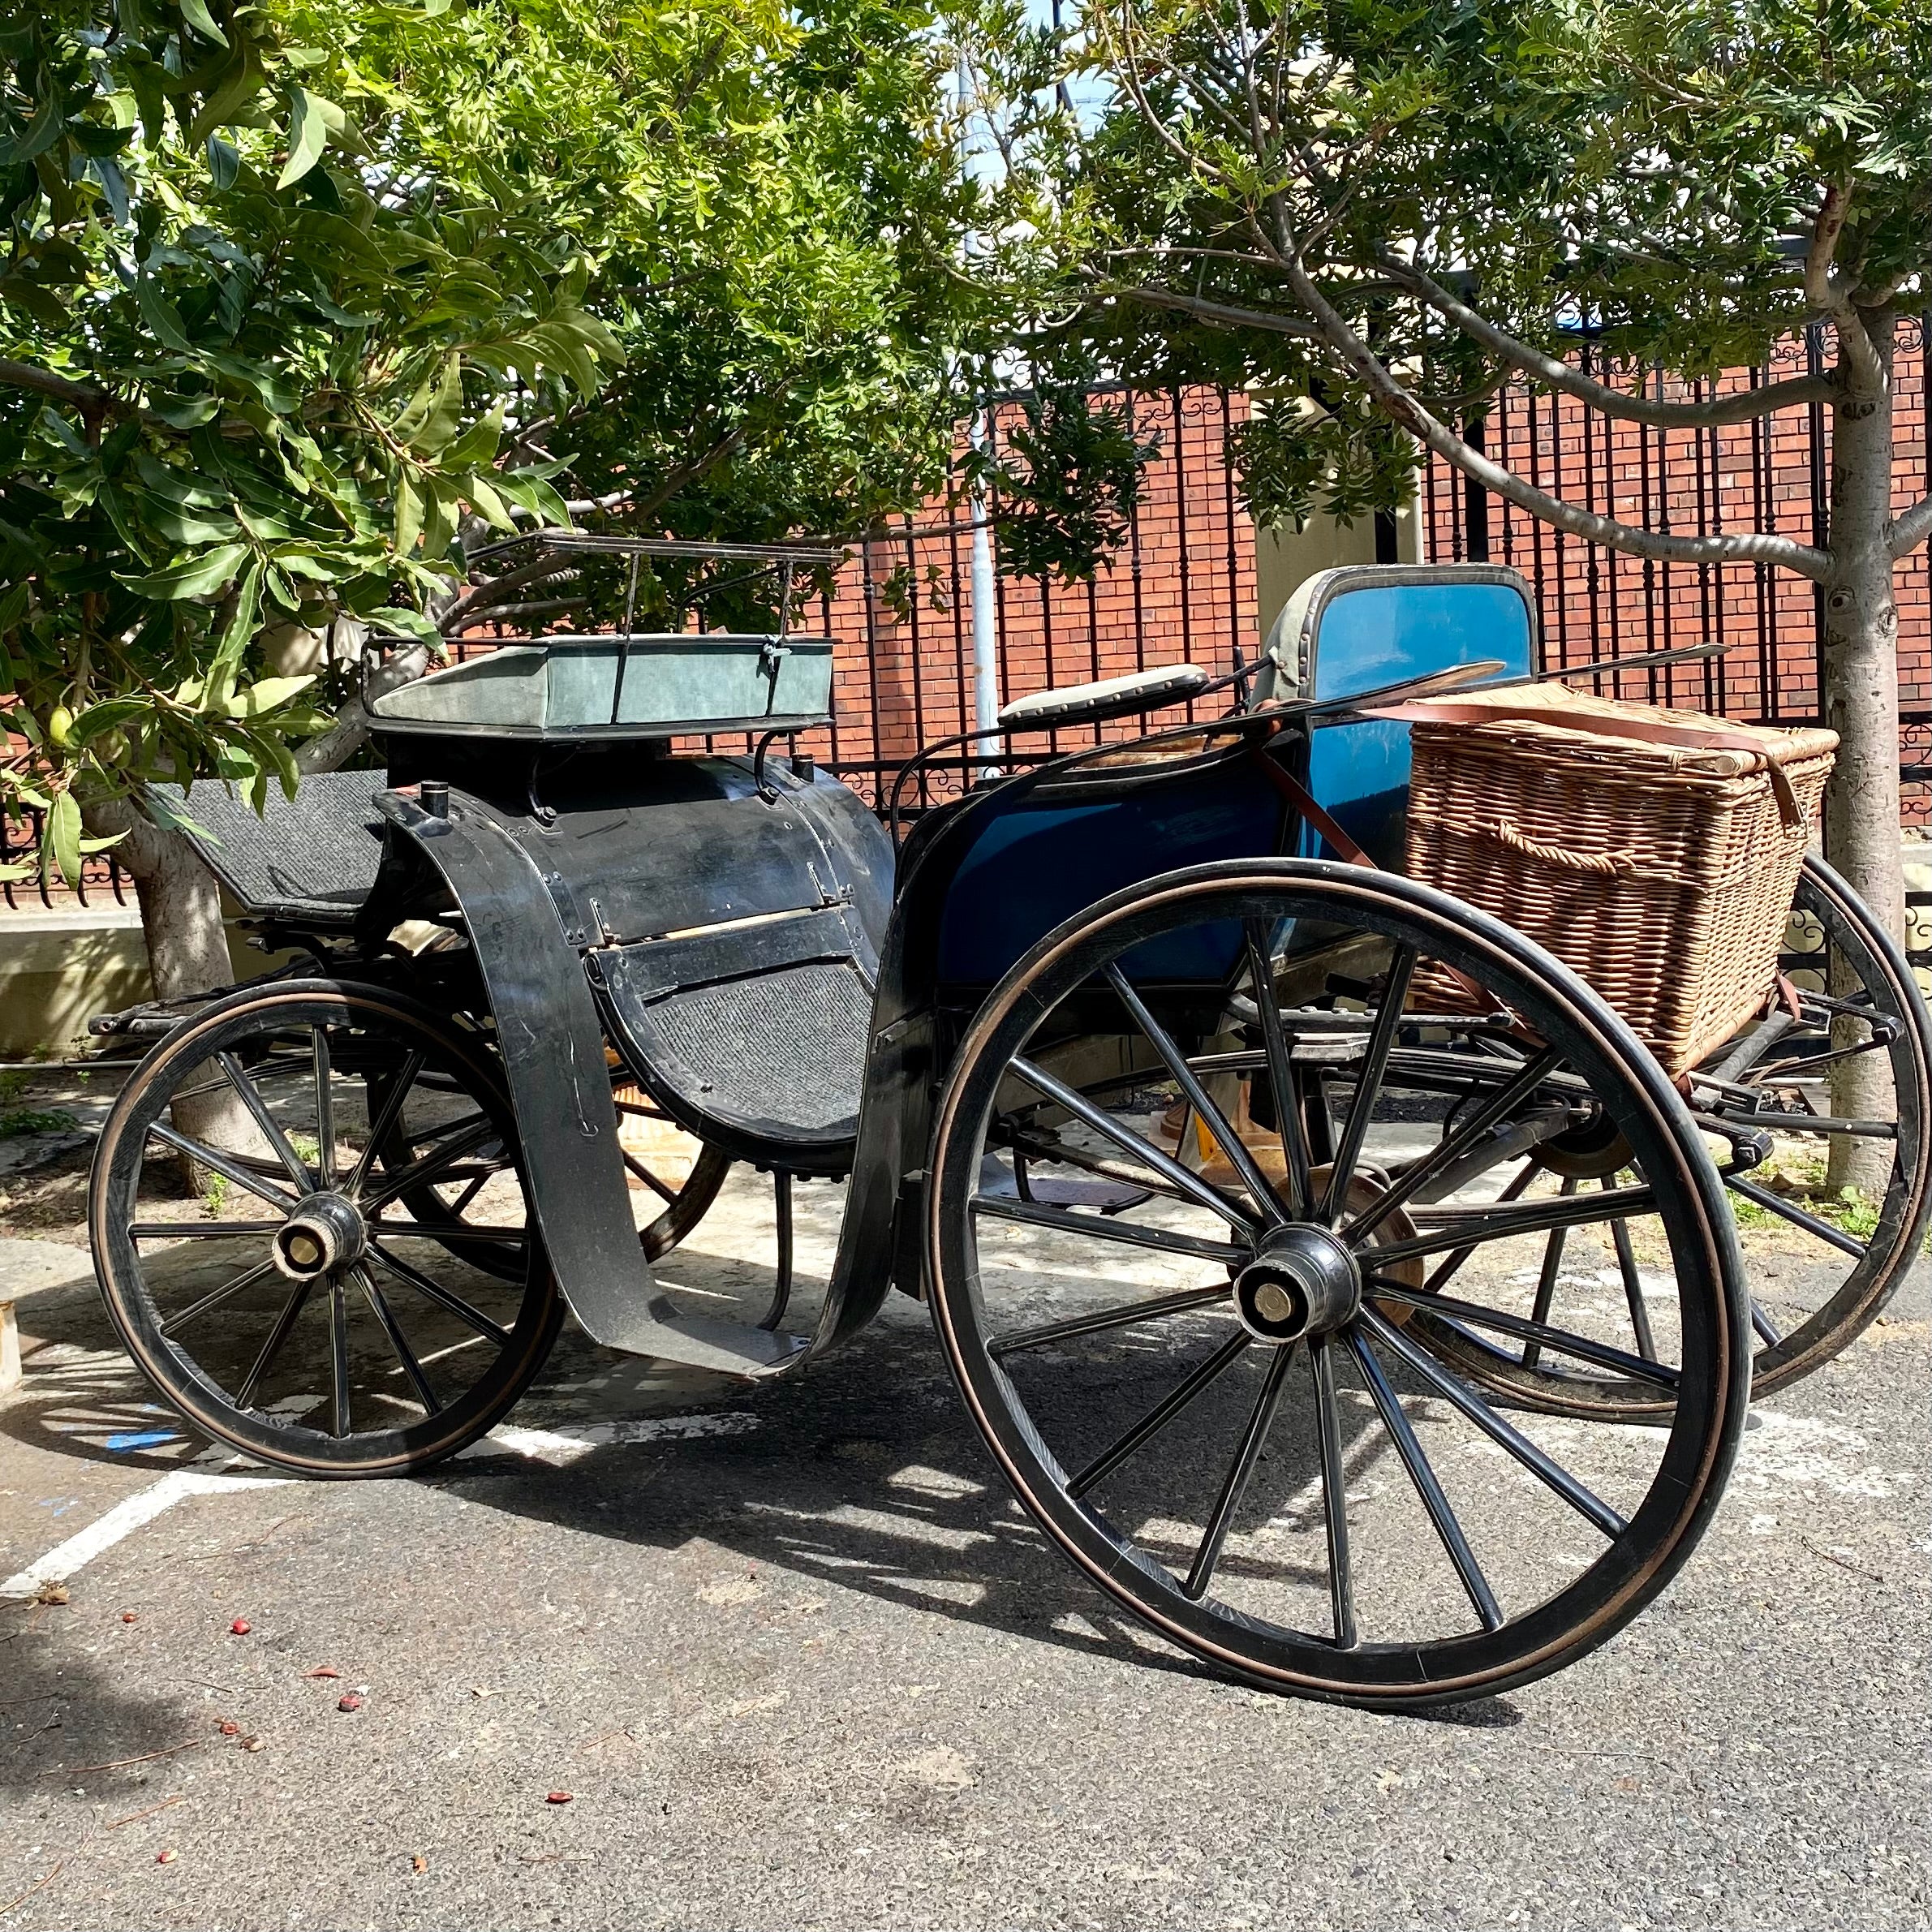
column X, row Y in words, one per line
column 322, row 1234
column 1303, row 1283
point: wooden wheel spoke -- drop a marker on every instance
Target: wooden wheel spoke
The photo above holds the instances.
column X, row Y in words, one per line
column 1230, row 1143
column 1234, row 1486
column 325, row 1108
column 1447, row 1151
column 1591, row 1508
column 447, row 1233
column 1191, row 1185
column 443, row 1297
column 405, row 1354
column 1834, row 1237
column 423, row 1171
column 1452, row 1313
column 662, row 1188
column 1633, row 1288
column 297, row 1169
column 471, row 1192
column 384, row 1120
column 1400, row 1432
column 272, row 1347
column 1368, row 1082
column 224, row 1164
column 1545, row 1280
column 1485, row 1223
column 1290, row 1127
column 339, row 1420
column 197, row 1230
column 1335, row 1495
column 1157, row 1418
column 1122, row 1317
column 1108, row 1228
column 216, row 1297
column 1452, row 1266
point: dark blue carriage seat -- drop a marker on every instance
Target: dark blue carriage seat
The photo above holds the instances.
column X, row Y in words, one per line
column 1104, row 828
column 1364, row 625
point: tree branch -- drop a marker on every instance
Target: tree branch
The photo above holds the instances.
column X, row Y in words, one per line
column 82, row 396
column 92, row 401
column 1739, row 407
column 1396, row 402
column 1224, row 313
column 1907, row 533
column 476, row 601
column 1828, row 295
column 351, row 731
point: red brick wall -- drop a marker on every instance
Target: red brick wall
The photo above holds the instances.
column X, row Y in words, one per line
column 1181, row 587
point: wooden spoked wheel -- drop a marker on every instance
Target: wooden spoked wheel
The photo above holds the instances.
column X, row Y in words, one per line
column 665, row 1165
column 1208, row 1392
column 1860, row 1040
column 360, row 1289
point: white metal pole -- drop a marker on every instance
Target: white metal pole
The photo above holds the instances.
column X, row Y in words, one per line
column 986, row 644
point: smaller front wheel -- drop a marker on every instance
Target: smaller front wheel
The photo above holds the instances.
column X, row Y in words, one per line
column 1207, row 1386
column 359, row 1288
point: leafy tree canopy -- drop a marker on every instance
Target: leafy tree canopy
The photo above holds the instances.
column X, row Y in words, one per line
column 298, row 296
column 1651, row 175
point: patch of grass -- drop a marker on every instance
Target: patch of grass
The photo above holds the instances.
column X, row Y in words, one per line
column 16, row 1120
column 214, row 1197
column 1801, row 1178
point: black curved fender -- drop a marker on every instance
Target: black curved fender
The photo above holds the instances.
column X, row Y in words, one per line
column 553, row 1048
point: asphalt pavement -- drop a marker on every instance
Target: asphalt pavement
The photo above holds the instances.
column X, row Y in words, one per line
column 794, row 1659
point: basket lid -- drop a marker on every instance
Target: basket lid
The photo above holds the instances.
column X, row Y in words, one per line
column 1617, row 727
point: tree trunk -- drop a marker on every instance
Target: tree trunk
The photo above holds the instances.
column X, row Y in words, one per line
column 1861, row 703
column 187, row 947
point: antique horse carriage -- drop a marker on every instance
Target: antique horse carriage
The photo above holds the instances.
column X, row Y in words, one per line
column 1370, row 1344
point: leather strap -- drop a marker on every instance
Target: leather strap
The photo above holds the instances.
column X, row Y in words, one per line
column 1298, row 795
column 1652, row 731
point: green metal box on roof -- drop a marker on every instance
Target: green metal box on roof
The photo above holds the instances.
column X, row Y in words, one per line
column 646, row 684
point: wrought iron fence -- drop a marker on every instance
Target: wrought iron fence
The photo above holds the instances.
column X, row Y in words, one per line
column 1182, row 583
column 1767, row 474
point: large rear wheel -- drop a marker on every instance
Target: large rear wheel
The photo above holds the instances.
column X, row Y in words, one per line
column 1205, row 1386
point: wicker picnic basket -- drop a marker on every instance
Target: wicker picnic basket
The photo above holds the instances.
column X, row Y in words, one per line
column 1654, row 851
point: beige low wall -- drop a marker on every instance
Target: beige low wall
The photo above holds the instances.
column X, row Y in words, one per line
column 58, row 968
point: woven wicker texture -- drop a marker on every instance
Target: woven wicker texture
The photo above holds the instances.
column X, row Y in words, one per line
column 1661, row 873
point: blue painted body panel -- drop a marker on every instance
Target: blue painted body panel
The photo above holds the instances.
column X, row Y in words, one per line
column 1044, row 862
column 1374, row 636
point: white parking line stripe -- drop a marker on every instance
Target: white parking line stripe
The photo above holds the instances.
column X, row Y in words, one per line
column 64, row 1558
column 558, row 1447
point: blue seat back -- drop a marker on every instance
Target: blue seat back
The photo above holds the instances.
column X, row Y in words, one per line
column 1359, row 628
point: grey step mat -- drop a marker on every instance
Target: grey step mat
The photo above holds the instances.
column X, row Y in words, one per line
column 313, row 857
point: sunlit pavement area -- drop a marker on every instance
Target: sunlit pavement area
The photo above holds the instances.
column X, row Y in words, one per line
column 797, row 1660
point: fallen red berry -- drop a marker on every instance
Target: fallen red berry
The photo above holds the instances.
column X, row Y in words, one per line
column 166, row 1857
column 349, row 1701
column 241, row 1626
column 558, row 1797
column 128, row 1616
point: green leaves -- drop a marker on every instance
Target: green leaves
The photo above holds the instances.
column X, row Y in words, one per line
column 197, row 575
column 307, row 132
column 324, row 291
